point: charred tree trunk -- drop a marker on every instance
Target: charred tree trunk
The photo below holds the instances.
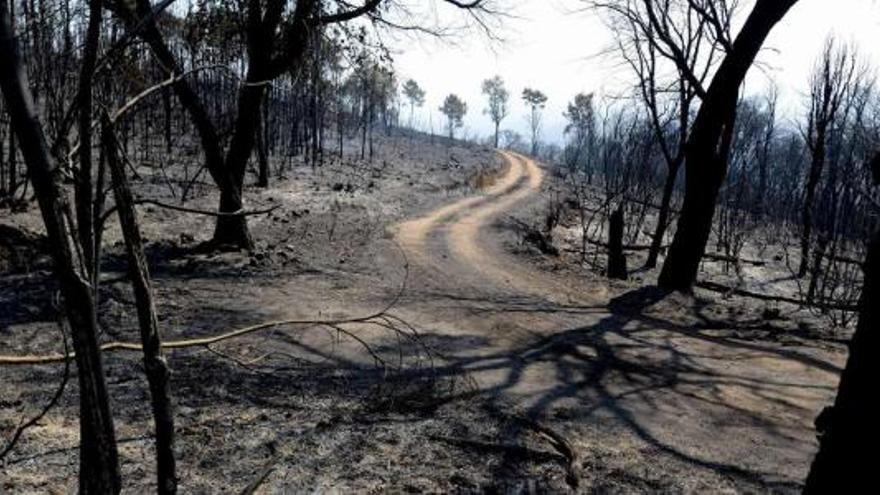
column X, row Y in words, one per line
column 154, row 363
column 2, row 159
column 229, row 230
column 84, row 190
column 616, row 257
column 13, row 172
column 166, row 104
column 232, row 230
column 364, row 129
column 340, row 128
column 849, row 430
column 663, row 215
column 316, row 88
column 708, row 147
column 816, row 269
column 262, row 154
column 816, row 165
column 99, row 464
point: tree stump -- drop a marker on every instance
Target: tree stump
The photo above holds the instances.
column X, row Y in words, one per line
column 616, row 258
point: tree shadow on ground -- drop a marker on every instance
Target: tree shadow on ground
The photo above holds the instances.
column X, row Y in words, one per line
column 624, row 365
column 631, row 364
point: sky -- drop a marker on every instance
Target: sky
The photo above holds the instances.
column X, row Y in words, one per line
column 561, row 49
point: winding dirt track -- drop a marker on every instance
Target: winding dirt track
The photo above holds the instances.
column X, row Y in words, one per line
column 454, row 245
column 640, row 379
column 463, row 219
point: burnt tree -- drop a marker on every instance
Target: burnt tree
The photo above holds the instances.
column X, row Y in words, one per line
column 849, row 429
column 830, row 88
column 671, row 47
column 616, row 257
column 155, row 366
column 709, row 146
column 99, row 463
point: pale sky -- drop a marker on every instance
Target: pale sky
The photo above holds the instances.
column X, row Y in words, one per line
column 555, row 46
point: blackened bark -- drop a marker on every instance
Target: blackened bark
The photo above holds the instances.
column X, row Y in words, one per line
column 816, row 267
column 83, row 188
column 166, row 104
column 262, row 154
column 340, row 129
column 316, row 88
column 817, row 163
column 663, row 215
column 364, row 128
column 99, row 464
column 154, row 363
column 708, row 147
column 616, row 257
column 2, row 162
column 13, row 172
column 232, row 230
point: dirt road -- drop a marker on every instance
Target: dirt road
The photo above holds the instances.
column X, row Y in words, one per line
column 683, row 398
column 653, row 392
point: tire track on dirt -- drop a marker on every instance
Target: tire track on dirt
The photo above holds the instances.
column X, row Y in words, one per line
column 464, row 239
column 413, row 234
column 455, row 247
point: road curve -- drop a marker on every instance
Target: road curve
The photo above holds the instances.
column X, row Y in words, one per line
column 548, row 342
column 454, row 247
column 448, row 245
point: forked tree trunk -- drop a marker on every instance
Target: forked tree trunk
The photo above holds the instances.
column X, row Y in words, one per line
column 154, row 363
column 229, row 230
column 99, row 464
column 232, row 230
column 709, row 146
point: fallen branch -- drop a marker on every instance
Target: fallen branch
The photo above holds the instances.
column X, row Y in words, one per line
column 631, row 247
column 196, row 211
column 206, row 341
column 559, row 442
column 723, row 289
column 733, row 259
column 184, row 209
column 261, row 478
column 183, row 344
